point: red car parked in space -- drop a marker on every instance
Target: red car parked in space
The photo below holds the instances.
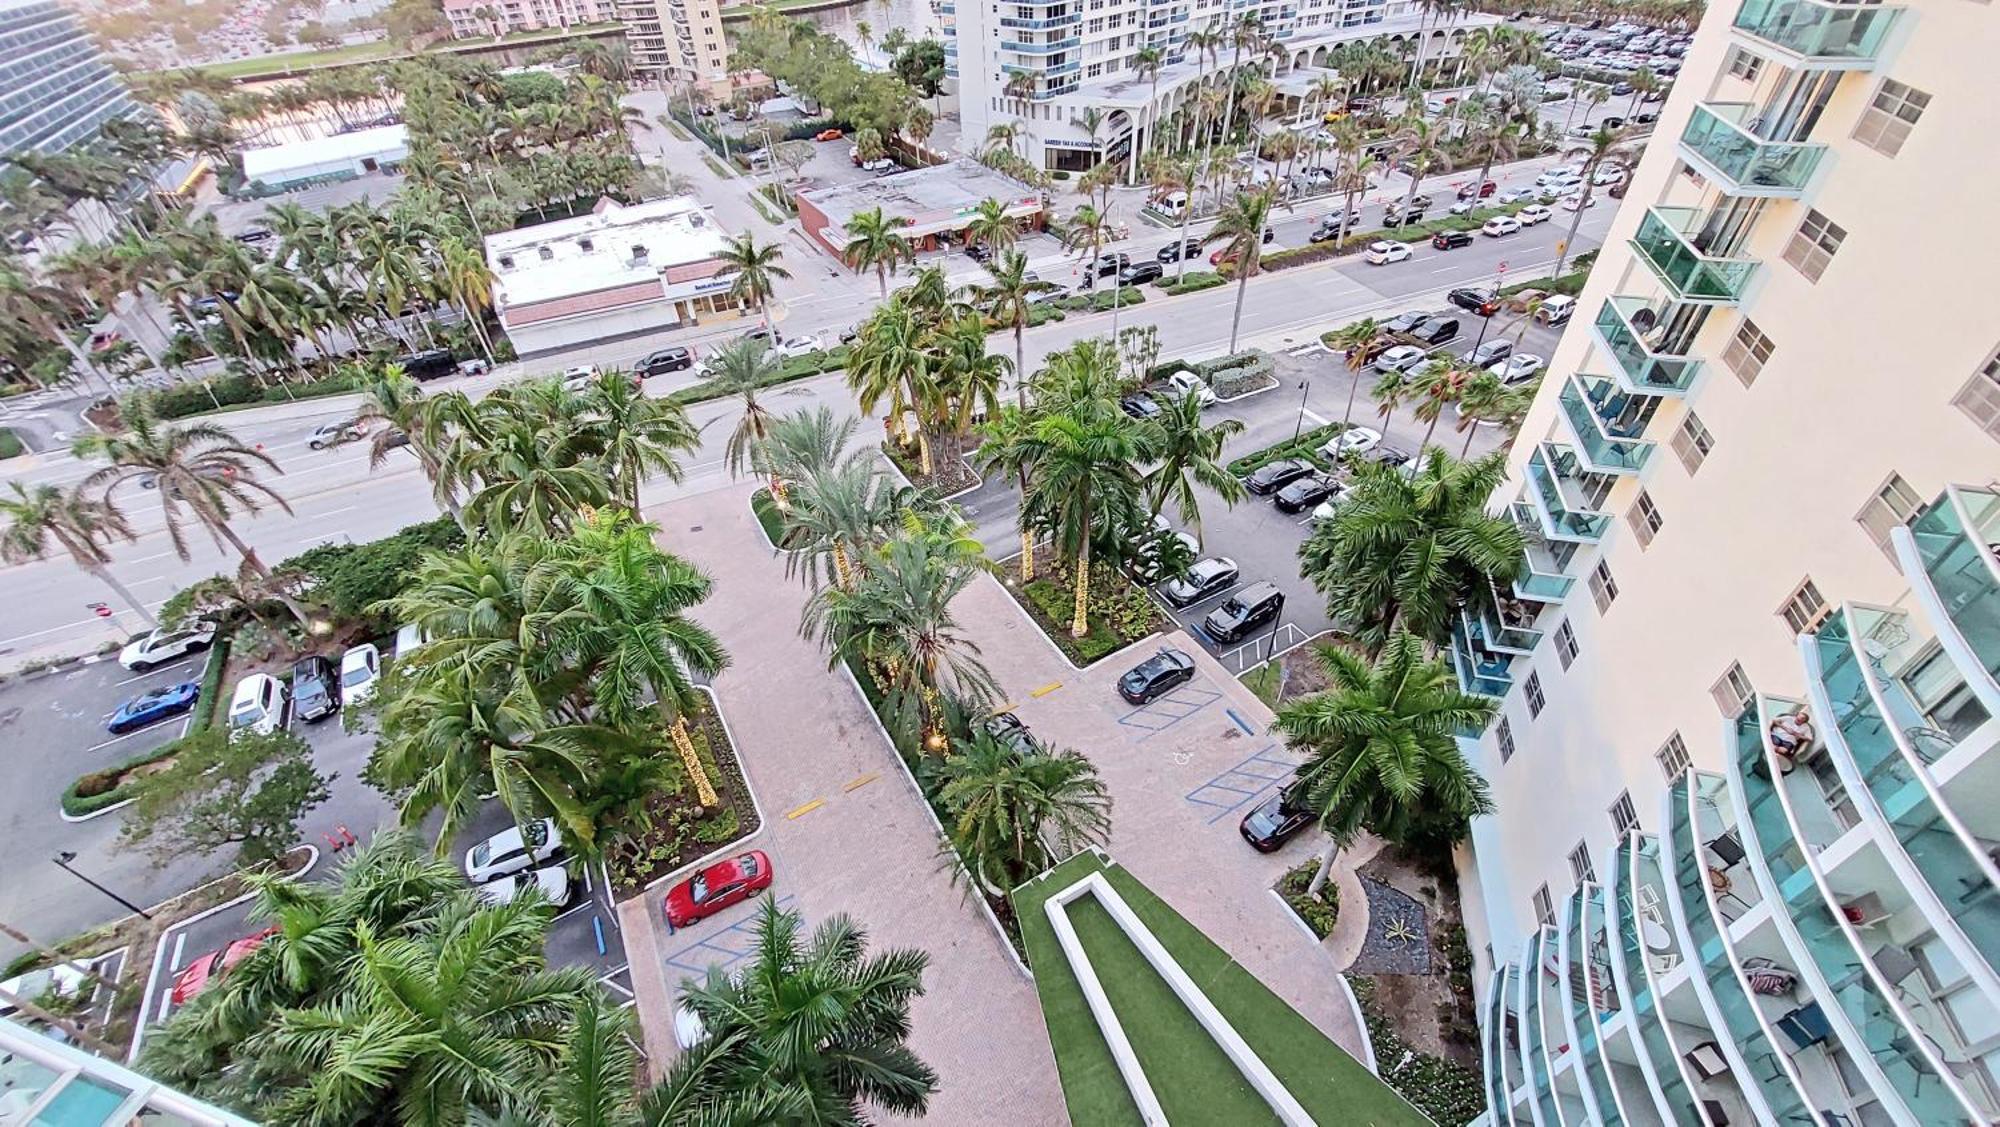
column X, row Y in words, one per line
column 717, row 887
column 206, row 969
column 1482, row 191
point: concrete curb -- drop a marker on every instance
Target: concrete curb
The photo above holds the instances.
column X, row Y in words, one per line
column 1361, row 1024
column 75, row 818
column 1272, row 386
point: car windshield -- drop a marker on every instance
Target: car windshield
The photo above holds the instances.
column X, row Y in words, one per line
column 245, row 715
column 535, row 834
column 355, row 675
column 482, row 853
column 154, row 697
column 748, row 863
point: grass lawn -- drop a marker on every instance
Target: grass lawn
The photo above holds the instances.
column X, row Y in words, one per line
column 1195, row 1082
column 1263, row 681
column 10, row 443
column 293, row 61
column 767, row 515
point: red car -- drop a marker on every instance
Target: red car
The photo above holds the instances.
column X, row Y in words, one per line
column 1485, row 189
column 717, row 887
column 206, row 969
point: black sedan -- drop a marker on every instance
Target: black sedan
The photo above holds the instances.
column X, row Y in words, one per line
column 1156, row 676
column 1205, row 578
column 1140, row 406
column 1472, row 300
column 1273, row 476
column 1450, row 240
column 1140, row 272
column 1269, row 826
column 1174, row 252
column 1304, row 493
column 1436, row 330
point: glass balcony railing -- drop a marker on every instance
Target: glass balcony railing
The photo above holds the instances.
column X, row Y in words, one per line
column 1646, row 948
column 1818, row 32
column 1545, row 573
column 1722, row 136
column 1624, row 325
column 1604, row 453
column 1592, row 998
column 1670, row 240
column 1952, row 541
column 1043, row 24
column 1480, row 671
column 1554, row 476
column 1534, row 1045
column 1498, row 1098
column 1491, row 628
column 1040, row 48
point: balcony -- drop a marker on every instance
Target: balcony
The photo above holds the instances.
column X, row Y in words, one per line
column 1534, row 988
column 1671, row 241
column 1721, row 142
column 1480, row 671
column 1643, row 949
column 1602, row 449
column 1815, row 34
column 1545, row 569
column 1562, row 489
column 1628, row 328
column 1046, row 24
column 1040, row 48
column 1585, row 959
column 1509, row 629
column 1946, row 551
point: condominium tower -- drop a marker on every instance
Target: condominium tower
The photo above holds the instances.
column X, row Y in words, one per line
column 677, row 41
column 58, row 88
column 1082, row 54
column 1742, row 868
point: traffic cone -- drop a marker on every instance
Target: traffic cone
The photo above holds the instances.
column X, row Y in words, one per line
column 333, row 842
column 348, row 834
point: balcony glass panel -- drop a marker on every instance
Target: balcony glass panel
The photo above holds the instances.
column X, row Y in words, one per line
column 1599, row 449
column 1510, row 1030
column 1535, row 1045
column 1723, row 135
column 1565, row 512
column 1619, row 326
column 1832, row 947
column 1479, row 670
column 1947, row 537
column 1671, row 240
column 1591, row 995
column 1742, row 1023
column 1496, row 1040
column 1817, row 30
column 1545, row 578
column 1953, row 875
column 1503, row 629
column 1646, row 947
column 1039, row 48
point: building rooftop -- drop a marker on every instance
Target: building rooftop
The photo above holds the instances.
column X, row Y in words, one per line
column 615, row 245
column 931, row 199
column 324, row 150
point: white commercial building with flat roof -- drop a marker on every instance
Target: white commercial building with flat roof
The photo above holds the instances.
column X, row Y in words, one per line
column 620, row 271
column 935, row 203
column 319, row 160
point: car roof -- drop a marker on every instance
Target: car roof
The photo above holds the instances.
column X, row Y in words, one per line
column 249, row 689
column 355, row 654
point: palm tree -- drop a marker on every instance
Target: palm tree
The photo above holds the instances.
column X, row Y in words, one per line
column 741, row 368
column 1391, row 391
column 1437, row 385
column 198, row 469
column 1146, row 63
column 839, row 516
column 1381, row 749
column 968, row 376
column 1420, row 142
column 991, row 227
column 1087, row 230
column 1179, row 174
column 632, row 434
column 1240, row 227
column 1009, row 300
column 1605, row 145
column 1010, row 816
column 1643, row 82
column 875, row 242
column 1006, row 444
column 892, row 360
column 757, row 272
column 525, row 488
column 42, row 515
column 1082, row 477
column 804, row 1031
column 389, row 396
column 1204, row 42
column 1357, row 341
column 1185, row 453
column 1485, row 398
column 1403, row 552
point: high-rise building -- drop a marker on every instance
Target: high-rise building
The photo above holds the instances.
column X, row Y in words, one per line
column 678, row 41
column 475, row 19
column 59, row 89
column 1743, row 865
column 1073, row 55
column 43, row 1081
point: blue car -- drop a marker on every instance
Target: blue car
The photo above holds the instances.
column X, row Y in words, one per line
column 156, row 705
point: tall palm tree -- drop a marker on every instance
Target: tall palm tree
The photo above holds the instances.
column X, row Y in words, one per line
column 741, row 368
column 1356, row 341
column 1204, row 42
column 632, row 434
column 390, row 397
column 1006, row 445
column 1082, row 478
column 1010, row 815
column 1185, row 453
column 1086, row 231
column 43, row 515
column 197, row 469
column 892, row 362
column 1403, row 552
column 839, row 516
column 1381, row 748
column 757, row 272
column 876, row 242
column 1240, row 228
column 1605, row 146
column 991, row 227
column 524, row 488
column 805, row 1030
column 968, row 376
column 1436, row 386
column 1179, row 174
column 1485, row 398
column 1146, row 64
column 1009, row 300
column 1420, row 142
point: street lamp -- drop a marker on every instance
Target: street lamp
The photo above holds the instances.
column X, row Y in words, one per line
column 62, row 861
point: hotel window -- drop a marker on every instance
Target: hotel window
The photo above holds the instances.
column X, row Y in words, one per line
column 1814, row 244
column 1545, row 907
column 1732, row 692
column 1744, row 65
column 1565, row 645
column 1692, row 442
column 1624, row 817
column 1673, row 757
column 1504, row 735
column 1890, row 115
column 1579, row 864
column 1980, row 397
column 1893, row 504
column 1603, row 588
column 1747, row 351
column 1532, row 690
column 1644, row 517
column 1805, row 610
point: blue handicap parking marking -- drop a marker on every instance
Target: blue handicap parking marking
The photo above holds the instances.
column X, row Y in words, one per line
column 1243, row 783
column 723, row 948
column 1170, row 710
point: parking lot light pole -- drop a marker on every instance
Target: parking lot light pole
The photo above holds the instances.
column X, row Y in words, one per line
column 1299, row 427
column 62, row 861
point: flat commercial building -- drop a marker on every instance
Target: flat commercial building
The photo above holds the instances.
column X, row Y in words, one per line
column 938, row 203
column 341, row 156
column 58, row 88
column 1743, row 865
column 620, row 271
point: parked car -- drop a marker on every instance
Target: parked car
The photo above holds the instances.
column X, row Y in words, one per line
column 828, row 135
column 1517, row 368
column 660, row 361
column 1609, row 174
column 153, row 707
column 1174, row 252
column 1383, row 252
column 1389, row 456
column 1141, row 406
column 1577, row 202
column 717, row 887
column 257, row 705
column 164, row 645
column 1009, row 729
column 552, row 881
column 1483, row 190
column 1474, row 300
column 1500, row 225
column 315, row 688
column 1273, row 823
column 579, row 377
column 512, row 850
column 1488, row 353
column 1450, row 240
column 1405, row 321
column 360, row 669
column 1436, row 329
column 1534, row 213
column 1515, row 195
column 1156, row 676
column 1227, row 253
column 1556, row 309
column 1112, row 263
column 1401, row 358
column 1242, row 613
column 1140, row 273
column 332, row 434
column 206, row 969
column 978, row 252
column 1184, row 382
column 429, row 364
column 1273, row 476
column 1203, row 579
column 879, row 164
column 1304, row 493
column 1353, row 440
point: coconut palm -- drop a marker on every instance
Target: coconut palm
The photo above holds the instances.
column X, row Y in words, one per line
column 43, row 515
column 991, row 227
column 632, row 435
column 1185, row 453
column 968, row 376
column 1485, row 398
column 1009, row 300
column 390, row 397
column 1146, row 64
column 1240, row 228
column 1082, row 478
column 741, row 368
column 1357, row 342
column 1420, row 143
column 197, row 469
column 891, row 364
column 756, row 272
column 1179, row 174
column 1436, row 386
column 1010, row 816
column 527, row 489
column 876, row 242
column 1404, row 551
column 1382, row 751
column 1605, row 146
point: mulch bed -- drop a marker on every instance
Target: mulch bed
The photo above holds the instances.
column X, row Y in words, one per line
column 950, row 472
column 680, row 832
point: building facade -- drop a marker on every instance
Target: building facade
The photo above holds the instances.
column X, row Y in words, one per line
column 677, row 41
column 1079, row 54
column 936, row 204
column 329, row 159
column 55, row 87
column 483, row 19
column 43, row 1081
column 1743, row 864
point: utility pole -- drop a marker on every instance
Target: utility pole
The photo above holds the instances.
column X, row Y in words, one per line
column 62, row 861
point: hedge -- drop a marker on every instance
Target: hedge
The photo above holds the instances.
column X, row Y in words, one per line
column 797, row 368
column 196, row 397
column 354, row 578
column 99, row 790
column 1102, row 302
column 1193, row 283
column 1304, row 446
column 10, row 443
column 211, row 685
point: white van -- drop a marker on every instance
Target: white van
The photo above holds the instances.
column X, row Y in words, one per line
column 1173, row 205
column 258, row 705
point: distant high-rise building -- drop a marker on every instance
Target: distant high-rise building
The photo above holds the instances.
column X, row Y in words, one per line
column 679, row 41
column 473, row 19
column 56, row 90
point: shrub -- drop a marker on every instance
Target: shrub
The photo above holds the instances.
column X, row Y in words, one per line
column 10, row 443
column 1305, row 445
column 1441, row 1089
column 1319, row 912
column 210, row 701
column 353, row 578
column 105, row 788
column 1059, row 174
column 797, row 368
column 1125, row 297
column 196, row 397
column 1194, row 283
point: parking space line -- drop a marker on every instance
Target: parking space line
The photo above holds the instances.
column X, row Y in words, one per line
column 1157, row 717
column 1045, row 690
column 857, row 784
column 1226, row 793
column 801, row 811
column 134, row 732
column 182, row 668
column 586, row 906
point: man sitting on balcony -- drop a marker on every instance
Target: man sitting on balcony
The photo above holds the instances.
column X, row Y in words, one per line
column 1791, row 737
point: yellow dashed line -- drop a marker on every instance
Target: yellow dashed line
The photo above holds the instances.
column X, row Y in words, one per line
column 1045, row 690
column 806, row 809
column 863, row 781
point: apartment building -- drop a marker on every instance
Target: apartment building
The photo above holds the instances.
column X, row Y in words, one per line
column 1743, row 865
column 58, row 88
column 677, row 41
column 478, row 19
column 45, row 1081
column 1080, row 54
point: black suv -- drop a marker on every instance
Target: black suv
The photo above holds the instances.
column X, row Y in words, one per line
column 1472, row 300
column 1157, row 675
column 429, row 364
column 1174, row 252
column 315, row 689
column 1273, row 476
column 663, row 360
column 1140, row 272
column 1451, row 240
column 1436, row 329
column 1304, row 493
column 1270, row 825
column 1243, row 612
column 1110, row 264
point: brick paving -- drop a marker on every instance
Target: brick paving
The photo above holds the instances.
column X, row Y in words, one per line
column 868, row 849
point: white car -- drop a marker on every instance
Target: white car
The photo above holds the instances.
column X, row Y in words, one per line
column 512, row 850
column 1401, row 358
column 879, row 164
column 1577, row 202
column 792, row 347
column 1353, row 440
column 1500, row 225
column 1609, row 174
column 688, row 1027
column 1463, row 207
column 579, row 377
column 1514, row 195
column 164, row 645
column 1185, row 383
column 1534, row 213
column 410, row 638
column 332, row 434
column 257, row 705
column 1517, row 368
column 1383, row 252
column 360, row 669
column 551, row 880
column 1324, row 511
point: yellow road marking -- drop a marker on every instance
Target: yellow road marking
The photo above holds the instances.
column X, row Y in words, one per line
column 806, row 809
column 863, row 781
column 1045, row 690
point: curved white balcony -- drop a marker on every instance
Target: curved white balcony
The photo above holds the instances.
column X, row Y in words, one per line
column 1645, row 953
column 1948, row 555
column 1493, row 1041
column 1584, row 957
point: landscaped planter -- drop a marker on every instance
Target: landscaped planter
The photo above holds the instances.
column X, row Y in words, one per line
column 769, row 520
column 1306, row 446
column 1318, row 913
column 1121, row 612
column 680, row 830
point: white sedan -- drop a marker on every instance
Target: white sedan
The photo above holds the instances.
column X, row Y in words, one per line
column 164, row 645
column 1384, row 252
column 360, row 669
column 1517, row 367
column 1534, row 213
column 1500, row 225
column 1353, row 440
column 511, row 850
column 1578, row 202
column 552, row 881
column 1400, row 358
column 579, row 377
column 1185, row 383
column 1514, row 195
